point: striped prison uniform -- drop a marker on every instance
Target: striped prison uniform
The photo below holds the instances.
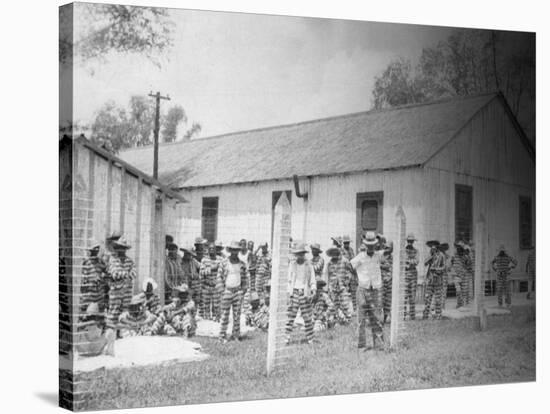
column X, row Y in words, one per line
column 173, row 277
column 337, row 275
column 233, row 279
column 318, row 264
column 446, row 276
column 191, row 276
column 258, row 318
column 531, row 268
column 252, row 267
column 386, row 266
column 133, row 325
column 411, row 282
column 350, row 254
column 302, row 284
column 152, row 303
column 208, row 275
column 263, row 274
column 502, row 264
column 177, row 317
column 120, row 279
column 434, row 284
column 93, row 288
column 459, row 271
column 470, row 275
column 367, row 307
column 323, row 311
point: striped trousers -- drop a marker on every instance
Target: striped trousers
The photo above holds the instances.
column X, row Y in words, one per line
column 231, row 299
column 342, row 304
column 117, row 303
column 462, row 289
column 434, row 290
column 411, row 281
column 503, row 288
column 386, row 297
column 179, row 324
column 208, row 305
column 367, row 307
column 299, row 301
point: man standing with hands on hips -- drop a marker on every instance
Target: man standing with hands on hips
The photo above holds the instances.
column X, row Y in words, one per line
column 367, row 266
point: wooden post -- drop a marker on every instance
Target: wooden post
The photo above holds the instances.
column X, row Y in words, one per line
column 480, row 244
column 398, row 275
column 276, row 351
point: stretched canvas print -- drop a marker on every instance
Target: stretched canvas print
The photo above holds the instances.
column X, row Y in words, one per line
column 256, row 206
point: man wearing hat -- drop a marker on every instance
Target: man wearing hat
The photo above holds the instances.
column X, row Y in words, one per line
column 317, row 260
column 302, row 286
column 219, row 249
column 338, row 273
column 200, row 247
column 191, row 272
column 109, row 247
column 208, row 274
column 257, row 315
column 263, row 273
column 323, row 308
column 137, row 320
column 367, row 264
column 173, row 271
column 120, row 277
column 93, row 288
column 434, row 279
column 386, row 268
column 233, row 279
column 178, row 317
column 444, row 248
column 502, row 264
column 152, row 300
column 470, row 252
column 347, row 250
column 411, row 277
column 459, row 268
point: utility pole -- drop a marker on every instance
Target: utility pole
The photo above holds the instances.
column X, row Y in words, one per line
column 157, row 97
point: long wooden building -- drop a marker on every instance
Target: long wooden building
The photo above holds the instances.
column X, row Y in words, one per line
column 446, row 163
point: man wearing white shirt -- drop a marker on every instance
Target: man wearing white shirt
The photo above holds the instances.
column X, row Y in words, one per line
column 369, row 275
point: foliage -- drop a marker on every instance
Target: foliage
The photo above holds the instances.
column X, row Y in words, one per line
column 468, row 62
column 435, row 354
column 171, row 120
column 90, row 31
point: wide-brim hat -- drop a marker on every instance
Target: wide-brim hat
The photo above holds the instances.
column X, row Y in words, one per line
column 300, row 248
column 183, row 288
column 122, row 242
column 218, row 243
column 321, row 283
column 262, row 244
column 346, row 239
column 94, row 245
column 410, row 237
column 171, row 245
column 332, row 249
column 443, row 247
column 146, row 282
column 115, row 235
column 370, row 239
column 501, row 248
column 138, row 299
column 234, row 245
column 92, row 309
column 254, row 297
column 432, row 243
column 188, row 249
column 315, row 246
column 459, row 243
column 200, row 240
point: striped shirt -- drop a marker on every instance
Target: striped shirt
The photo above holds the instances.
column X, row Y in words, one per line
column 121, row 268
column 503, row 263
column 173, row 274
column 337, row 274
column 209, row 270
column 459, row 265
column 386, row 266
column 318, row 264
column 93, row 287
column 348, row 253
column 263, row 273
column 152, row 304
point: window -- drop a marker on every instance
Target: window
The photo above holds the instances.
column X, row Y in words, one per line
column 463, row 212
column 274, row 198
column 370, row 210
column 369, row 215
column 525, row 222
column 209, row 222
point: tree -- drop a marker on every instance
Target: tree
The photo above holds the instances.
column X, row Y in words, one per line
column 173, row 118
column 193, row 131
column 111, row 128
column 90, row 31
column 469, row 61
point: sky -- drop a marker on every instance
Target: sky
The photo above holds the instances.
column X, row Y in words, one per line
column 237, row 71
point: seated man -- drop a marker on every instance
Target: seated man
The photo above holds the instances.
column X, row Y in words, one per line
column 137, row 320
column 257, row 315
column 179, row 316
column 152, row 300
column 323, row 315
column 91, row 339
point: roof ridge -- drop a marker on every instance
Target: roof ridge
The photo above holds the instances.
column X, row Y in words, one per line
column 312, row 121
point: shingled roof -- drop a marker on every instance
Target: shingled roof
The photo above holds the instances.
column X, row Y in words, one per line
column 400, row 137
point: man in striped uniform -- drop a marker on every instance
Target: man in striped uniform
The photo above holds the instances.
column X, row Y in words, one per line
column 233, row 277
column 530, row 269
column 191, row 273
column 137, row 320
column 367, row 265
column 434, row 280
column 263, row 273
column 200, row 248
column 120, row 278
column 317, row 260
column 219, row 249
column 252, row 266
column 93, row 288
column 179, row 316
column 349, row 253
column 444, row 248
column 173, row 271
column 460, row 263
column 208, row 275
column 337, row 273
column 257, row 315
column 411, row 277
column 323, row 313
column 152, row 300
column 502, row 264
column 469, row 271
column 347, row 250
column 302, row 285
column 386, row 267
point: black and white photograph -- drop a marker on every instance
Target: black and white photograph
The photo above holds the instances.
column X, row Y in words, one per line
column 260, row 206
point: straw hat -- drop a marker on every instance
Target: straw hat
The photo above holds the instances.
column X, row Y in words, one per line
column 122, row 242
column 332, row 249
column 138, row 299
column 410, row 237
column 234, row 245
column 370, row 238
column 346, row 239
column 300, row 248
column 92, row 309
column 315, row 246
column 432, row 243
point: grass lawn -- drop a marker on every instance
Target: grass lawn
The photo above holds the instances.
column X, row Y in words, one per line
column 443, row 353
